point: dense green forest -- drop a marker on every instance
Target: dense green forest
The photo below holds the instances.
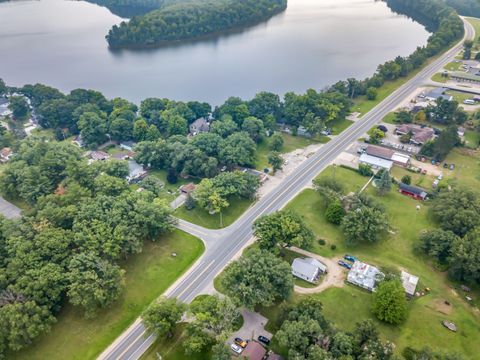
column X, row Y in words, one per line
column 191, row 20
column 130, row 8
column 466, row 7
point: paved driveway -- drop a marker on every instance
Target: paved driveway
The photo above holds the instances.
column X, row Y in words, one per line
column 9, row 210
column 253, row 326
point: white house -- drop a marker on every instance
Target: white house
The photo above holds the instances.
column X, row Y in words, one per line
column 409, row 283
column 308, row 269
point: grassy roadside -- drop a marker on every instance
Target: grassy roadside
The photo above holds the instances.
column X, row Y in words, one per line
column 148, row 275
column 203, row 218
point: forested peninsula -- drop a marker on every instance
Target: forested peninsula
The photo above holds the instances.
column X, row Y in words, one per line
column 191, row 20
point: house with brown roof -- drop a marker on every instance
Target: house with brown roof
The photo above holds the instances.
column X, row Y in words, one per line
column 253, row 351
column 99, row 156
column 420, row 135
column 380, row 152
column 188, row 188
column 5, row 154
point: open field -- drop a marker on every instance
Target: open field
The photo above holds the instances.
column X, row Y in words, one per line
column 476, row 25
column 203, row 218
column 148, row 275
column 390, row 118
column 453, row 66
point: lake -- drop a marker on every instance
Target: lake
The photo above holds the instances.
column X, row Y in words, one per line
column 314, row 43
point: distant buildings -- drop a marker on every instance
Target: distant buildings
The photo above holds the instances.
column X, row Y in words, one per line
column 136, row 172
column 420, row 135
column 200, row 125
column 4, row 110
column 308, row 269
column 364, row 275
column 98, row 155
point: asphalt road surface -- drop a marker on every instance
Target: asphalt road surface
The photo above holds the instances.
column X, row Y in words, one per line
column 222, row 245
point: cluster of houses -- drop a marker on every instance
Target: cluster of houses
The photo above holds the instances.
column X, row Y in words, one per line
column 383, row 158
column 368, row 276
column 136, row 172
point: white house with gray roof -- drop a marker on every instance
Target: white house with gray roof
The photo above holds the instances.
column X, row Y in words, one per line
column 308, row 269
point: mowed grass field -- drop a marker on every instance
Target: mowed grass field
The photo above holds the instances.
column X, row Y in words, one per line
column 148, row 275
column 348, row 305
column 201, row 217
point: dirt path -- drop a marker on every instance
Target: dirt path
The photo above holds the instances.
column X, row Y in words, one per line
column 335, row 277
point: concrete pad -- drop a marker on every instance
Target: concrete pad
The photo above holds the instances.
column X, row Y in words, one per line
column 9, row 210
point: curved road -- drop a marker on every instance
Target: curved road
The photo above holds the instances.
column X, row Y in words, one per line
column 222, row 245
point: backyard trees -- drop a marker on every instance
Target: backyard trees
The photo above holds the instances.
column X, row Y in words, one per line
column 93, row 128
column 406, row 179
column 457, row 211
column 284, row 228
column 384, row 183
column 437, row 243
column 162, row 316
column 276, row 142
column 304, row 329
column 335, row 212
column 220, row 351
column 375, row 135
column 258, row 277
column 276, row 160
column 94, row 282
column 254, row 128
column 389, row 302
column 465, row 252
column 215, row 315
column 238, row 150
column 19, row 107
column 364, row 224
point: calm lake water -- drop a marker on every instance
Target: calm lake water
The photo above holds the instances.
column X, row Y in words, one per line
column 312, row 44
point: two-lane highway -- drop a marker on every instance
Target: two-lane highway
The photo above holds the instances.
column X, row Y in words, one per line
column 222, row 245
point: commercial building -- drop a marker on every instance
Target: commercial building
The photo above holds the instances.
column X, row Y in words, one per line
column 375, row 162
column 420, row 135
column 388, row 154
column 438, row 93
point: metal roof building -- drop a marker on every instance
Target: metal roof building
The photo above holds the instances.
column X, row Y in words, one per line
column 364, row 275
column 409, row 283
column 376, row 162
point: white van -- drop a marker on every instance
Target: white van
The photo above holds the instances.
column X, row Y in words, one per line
column 469, row 102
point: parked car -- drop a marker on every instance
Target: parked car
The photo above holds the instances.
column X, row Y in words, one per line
column 452, row 166
column 350, row 258
column 344, row 264
column 240, row 342
column 236, row 349
column 382, row 128
column 264, row 339
column 445, row 166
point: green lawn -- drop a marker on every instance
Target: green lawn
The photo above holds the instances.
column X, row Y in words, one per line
column 148, row 275
column 338, row 126
column 203, row 218
column 467, row 168
column 439, row 78
column 459, row 96
column 472, row 139
column 453, row 66
column 476, row 25
column 290, row 143
column 312, row 206
column 390, row 118
column 348, row 305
